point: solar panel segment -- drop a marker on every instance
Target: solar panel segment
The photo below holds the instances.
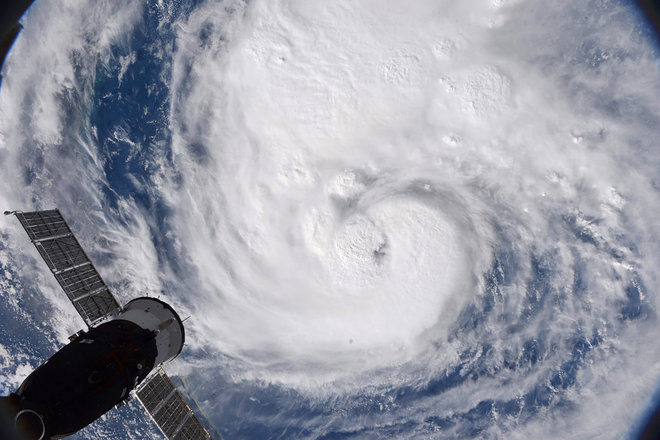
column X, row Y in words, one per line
column 169, row 410
column 66, row 259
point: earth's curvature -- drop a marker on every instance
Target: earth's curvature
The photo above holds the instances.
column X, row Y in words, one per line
column 429, row 219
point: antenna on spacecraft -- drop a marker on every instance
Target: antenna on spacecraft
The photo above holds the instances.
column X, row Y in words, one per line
column 123, row 347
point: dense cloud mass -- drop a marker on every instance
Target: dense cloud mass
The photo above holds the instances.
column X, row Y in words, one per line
column 422, row 219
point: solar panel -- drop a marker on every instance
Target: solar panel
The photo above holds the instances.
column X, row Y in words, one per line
column 169, row 410
column 72, row 268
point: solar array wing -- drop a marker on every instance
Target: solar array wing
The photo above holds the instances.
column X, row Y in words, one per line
column 169, row 410
column 72, row 268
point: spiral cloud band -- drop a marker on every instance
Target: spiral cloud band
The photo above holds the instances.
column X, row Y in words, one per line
column 426, row 219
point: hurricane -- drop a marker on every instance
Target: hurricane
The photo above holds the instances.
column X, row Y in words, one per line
column 380, row 219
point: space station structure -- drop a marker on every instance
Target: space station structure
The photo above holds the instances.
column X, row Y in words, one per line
column 10, row 13
column 120, row 354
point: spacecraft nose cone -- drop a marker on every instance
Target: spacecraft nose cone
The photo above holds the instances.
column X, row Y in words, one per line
column 29, row 425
